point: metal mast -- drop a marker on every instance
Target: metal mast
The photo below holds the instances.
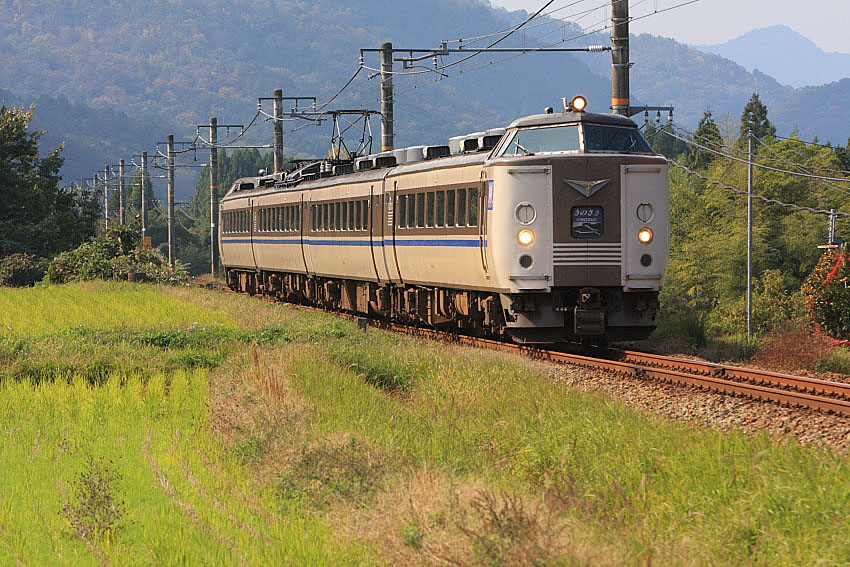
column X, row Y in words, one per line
column 386, row 96
column 278, row 130
column 620, row 57
column 213, row 196
column 170, row 169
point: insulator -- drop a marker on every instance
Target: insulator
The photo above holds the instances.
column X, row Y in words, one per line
column 670, row 117
column 596, row 48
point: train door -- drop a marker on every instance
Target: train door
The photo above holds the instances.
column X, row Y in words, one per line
column 252, row 207
column 304, row 219
column 389, row 253
column 309, row 225
column 485, row 205
column 375, row 227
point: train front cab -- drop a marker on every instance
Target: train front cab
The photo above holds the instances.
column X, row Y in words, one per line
column 583, row 233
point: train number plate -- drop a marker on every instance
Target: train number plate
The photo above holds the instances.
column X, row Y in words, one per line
column 587, row 222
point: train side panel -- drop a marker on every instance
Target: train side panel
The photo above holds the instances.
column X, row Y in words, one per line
column 236, row 230
column 436, row 239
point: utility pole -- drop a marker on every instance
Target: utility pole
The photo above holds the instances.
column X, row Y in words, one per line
column 387, row 96
column 121, row 218
column 278, row 130
column 106, row 197
column 620, row 57
column 170, row 166
column 832, row 227
column 749, row 233
column 213, row 143
column 213, row 196
column 143, row 185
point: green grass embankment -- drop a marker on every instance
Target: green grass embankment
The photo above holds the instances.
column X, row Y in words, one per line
column 264, row 435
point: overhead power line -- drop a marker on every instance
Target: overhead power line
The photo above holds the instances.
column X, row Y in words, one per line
column 759, row 165
column 759, row 197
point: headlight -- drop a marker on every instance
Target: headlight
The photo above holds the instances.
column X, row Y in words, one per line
column 525, row 237
column 645, row 235
column 578, row 104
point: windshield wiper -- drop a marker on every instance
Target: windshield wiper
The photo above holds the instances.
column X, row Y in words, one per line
column 525, row 150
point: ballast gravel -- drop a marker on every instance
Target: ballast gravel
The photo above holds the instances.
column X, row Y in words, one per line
column 717, row 411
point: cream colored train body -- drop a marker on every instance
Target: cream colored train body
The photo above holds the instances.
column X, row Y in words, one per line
column 556, row 230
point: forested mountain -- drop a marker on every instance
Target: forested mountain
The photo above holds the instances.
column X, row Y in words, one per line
column 165, row 66
column 93, row 137
column 786, row 55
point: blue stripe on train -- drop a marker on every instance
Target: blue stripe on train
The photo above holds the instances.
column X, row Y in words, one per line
column 440, row 243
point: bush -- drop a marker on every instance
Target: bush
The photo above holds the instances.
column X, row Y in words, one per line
column 773, row 307
column 827, row 295
column 114, row 257
column 21, row 270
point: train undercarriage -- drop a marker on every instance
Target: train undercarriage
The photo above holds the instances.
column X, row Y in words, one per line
column 570, row 315
column 467, row 311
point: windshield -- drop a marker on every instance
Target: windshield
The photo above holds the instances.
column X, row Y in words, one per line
column 543, row 140
column 565, row 138
column 614, row 139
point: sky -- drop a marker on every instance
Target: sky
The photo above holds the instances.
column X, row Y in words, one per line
column 716, row 21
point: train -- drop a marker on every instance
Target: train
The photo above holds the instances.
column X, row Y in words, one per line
column 554, row 229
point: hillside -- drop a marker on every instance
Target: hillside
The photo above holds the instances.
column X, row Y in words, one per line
column 121, row 77
column 194, row 59
column 785, row 55
column 93, row 137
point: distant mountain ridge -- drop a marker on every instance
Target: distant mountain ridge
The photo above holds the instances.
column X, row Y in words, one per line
column 787, row 56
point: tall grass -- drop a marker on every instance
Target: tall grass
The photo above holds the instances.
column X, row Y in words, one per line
column 634, row 481
column 263, row 435
column 108, row 455
column 96, row 305
column 185, row 500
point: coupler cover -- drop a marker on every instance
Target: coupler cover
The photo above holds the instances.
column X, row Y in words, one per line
column 588, row 321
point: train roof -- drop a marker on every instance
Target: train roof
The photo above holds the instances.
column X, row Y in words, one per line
column 571, row 118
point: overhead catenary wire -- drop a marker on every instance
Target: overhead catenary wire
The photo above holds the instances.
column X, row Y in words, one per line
column 759, row 197
column 759, row 165
column 780, row 160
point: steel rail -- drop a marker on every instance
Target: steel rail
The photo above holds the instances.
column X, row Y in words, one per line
column 752, row 375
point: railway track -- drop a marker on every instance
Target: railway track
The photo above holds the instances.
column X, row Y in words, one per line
column 755, row 384
column 760, row 385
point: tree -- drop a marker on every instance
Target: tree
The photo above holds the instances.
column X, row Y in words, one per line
column 663, row 143
column 754, row 119
column 37, row 214
column 707, row 135
column 843, row 155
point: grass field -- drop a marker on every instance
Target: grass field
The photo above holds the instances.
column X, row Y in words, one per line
column 199, row 428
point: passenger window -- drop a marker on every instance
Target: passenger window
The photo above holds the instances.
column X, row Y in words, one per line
column 365, row 214
column 344, row 205
column 351, row 225
column 401, row 210
column 358, row 215
column 441, row 208
column 297, row 226
column 429, row 217
column 338, row 215
column 461, row 207
column 450, row 207
column 420, row 209
column 411, row 211
column 473, row 206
